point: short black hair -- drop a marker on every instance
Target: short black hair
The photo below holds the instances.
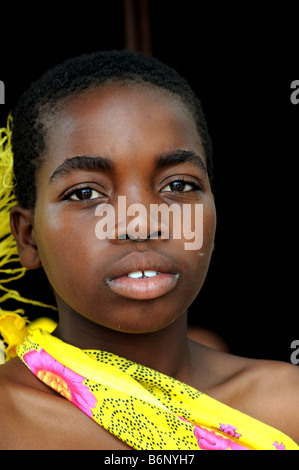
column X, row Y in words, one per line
column 75, row 76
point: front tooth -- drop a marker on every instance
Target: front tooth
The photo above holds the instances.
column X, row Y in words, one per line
column 150, row 273
column 135, row 275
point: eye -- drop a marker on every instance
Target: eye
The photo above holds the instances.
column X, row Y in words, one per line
column 83, row 194
column 180, row 186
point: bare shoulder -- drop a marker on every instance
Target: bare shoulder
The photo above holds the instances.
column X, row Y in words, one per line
column 7, row 407
column 265, row 390
column 275, row 390
column 34, row 417
column 20, row 403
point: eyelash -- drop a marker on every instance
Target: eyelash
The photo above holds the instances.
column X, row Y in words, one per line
column 69, row 195
column 195, row 186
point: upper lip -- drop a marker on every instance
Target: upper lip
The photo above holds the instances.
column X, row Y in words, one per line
column 146, row 261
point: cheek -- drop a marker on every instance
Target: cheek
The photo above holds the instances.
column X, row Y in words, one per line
column 198, row 248
column 198, row 228
column 67, row 247
column 209, row 229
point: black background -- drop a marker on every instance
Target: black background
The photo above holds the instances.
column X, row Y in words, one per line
column 241, row 61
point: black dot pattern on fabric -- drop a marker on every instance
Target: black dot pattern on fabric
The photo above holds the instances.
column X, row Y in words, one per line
column 127, row 415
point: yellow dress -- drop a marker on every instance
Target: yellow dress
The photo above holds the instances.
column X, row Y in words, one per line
column 140, row 406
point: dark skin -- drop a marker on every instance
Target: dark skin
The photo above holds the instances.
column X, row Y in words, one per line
column 132, row 127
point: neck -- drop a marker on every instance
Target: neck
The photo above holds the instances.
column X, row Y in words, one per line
column 166, row 351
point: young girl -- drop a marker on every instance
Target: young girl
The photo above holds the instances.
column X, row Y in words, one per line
column 94, row 139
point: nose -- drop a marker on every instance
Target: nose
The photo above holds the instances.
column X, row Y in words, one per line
column 136, row 222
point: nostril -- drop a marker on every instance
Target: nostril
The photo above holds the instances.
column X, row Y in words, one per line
column 123, row 236
column 126, row 236
column 155, row 235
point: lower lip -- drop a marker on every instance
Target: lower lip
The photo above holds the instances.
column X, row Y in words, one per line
column 144, row 289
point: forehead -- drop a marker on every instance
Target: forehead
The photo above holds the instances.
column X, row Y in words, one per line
column 121, row 120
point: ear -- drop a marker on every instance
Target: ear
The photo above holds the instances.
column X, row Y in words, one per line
column 21, row 223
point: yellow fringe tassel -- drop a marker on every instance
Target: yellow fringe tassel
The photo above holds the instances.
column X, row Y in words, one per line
column 13, row 325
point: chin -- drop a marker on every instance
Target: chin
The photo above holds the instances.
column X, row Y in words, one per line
column 144, row 321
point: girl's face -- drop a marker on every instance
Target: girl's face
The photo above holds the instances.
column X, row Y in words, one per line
column 140, row 143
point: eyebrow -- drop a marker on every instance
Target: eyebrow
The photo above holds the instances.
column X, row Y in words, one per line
column 180, row 156
column 84, row 162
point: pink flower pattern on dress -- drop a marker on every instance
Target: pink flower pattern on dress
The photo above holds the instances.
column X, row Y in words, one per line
column 230, row 430
column 61, row 379
column 279, row 446
column 209, row 440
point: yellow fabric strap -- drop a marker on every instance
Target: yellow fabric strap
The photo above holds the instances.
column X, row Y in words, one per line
column 143, row 408
column 13, row 325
